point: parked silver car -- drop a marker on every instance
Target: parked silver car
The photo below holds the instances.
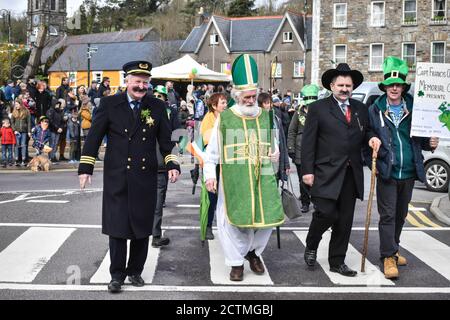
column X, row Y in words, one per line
column 368, row 92
column 437, row 167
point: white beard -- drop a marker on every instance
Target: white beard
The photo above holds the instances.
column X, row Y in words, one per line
column 248, row 111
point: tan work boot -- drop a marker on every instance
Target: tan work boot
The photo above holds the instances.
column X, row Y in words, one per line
column 401, row 260
column 390, row 268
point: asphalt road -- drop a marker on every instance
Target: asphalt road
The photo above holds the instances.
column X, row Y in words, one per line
column 48, row 211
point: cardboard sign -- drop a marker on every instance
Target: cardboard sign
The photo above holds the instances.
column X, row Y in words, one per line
column 431, row 112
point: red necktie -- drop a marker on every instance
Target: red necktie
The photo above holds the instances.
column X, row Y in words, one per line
column 348, row 114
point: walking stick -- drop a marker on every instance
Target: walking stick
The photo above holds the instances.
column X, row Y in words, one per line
column 369, row 210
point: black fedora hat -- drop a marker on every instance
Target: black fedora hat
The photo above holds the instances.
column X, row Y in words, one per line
column 342, row 70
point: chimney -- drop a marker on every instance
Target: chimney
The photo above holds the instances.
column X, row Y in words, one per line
column 199, row 17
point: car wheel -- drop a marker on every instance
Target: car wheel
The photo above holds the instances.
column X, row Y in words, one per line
column 437, row 176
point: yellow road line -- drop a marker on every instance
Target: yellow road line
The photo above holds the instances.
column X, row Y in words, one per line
column 426, row 220
column 413, row 221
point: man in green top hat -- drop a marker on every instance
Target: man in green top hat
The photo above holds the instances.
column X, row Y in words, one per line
column 309, row 94
column 248, row 205
column 399, row 161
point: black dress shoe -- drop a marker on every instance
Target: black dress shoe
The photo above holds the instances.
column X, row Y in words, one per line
column 344, row 270
column 305, row 208
column 115, row 286
column 158, row 242
column 136, row 280
column 310, row 257
column 237, row 273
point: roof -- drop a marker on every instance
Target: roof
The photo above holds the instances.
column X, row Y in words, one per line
column 112, row 56
column 135, row 35
column 246, row 33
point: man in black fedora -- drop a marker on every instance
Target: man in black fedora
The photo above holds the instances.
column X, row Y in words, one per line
column 336, row 129
column 133, row 121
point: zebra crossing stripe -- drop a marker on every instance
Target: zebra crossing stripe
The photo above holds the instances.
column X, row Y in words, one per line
column 103, row 276
column 431, row 251
column 24, row 258
column 372, row 277
column 220, row 273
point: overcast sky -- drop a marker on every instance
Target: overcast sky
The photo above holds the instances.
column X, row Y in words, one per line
column 18, row 6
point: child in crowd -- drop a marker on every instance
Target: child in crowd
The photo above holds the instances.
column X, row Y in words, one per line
column 73, row 126
column 41, row 135
column 8, row 139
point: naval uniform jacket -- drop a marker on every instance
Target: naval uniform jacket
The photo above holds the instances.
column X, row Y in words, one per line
column 130, row 164
column 330, row 145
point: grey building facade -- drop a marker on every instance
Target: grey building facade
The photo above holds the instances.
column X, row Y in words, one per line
column 278, row 43
column 52, row 13
column 363, row 32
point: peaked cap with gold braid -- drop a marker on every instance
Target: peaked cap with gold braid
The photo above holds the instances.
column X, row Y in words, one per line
column 245, row 73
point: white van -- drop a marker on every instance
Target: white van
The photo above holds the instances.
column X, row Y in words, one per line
column 368, row 92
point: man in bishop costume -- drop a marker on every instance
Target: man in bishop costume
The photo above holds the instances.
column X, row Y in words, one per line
column 249, row 203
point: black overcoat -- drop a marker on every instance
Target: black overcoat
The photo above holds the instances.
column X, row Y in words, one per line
column 330, row 144
column 130, row 164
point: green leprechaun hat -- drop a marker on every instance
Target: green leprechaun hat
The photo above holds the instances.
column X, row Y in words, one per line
column 395, row 70
column 309, row 93
column 245, row 73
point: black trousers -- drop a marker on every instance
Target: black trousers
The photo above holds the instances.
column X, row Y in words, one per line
column 118, row 254
column 305, row 196
column 393, row 197
column 163, row 180
column 337, row 214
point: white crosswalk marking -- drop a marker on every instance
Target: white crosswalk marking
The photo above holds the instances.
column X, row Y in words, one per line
column 431, row 251
column 220, row 273
column 103, row 276
column 372, row 277
column 23, row 259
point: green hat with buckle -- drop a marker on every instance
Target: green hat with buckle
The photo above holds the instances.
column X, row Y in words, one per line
column 245, row 73
column 395, row 70
column 161, row 89
column 309, row 93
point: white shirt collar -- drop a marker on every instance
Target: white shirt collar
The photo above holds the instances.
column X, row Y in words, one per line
column 346, row 102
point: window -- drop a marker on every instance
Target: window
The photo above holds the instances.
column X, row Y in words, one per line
column 438, row 52
column 287, row 37
column 276, row 70
column 53, row 5
column 122, row 78
column 376, row 56
column 36, row 4
column 72, row 79
column 409, row 54
column 53, row 31
column 299, row 69
column 439, row 11
column 377, row 14
column 97, row 76
column 225, row 67
column 340, row 54
column 214, row 39
column 409, row 12
column 340, row 15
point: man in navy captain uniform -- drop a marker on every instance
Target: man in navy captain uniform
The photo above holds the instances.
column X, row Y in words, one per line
column 133, row 122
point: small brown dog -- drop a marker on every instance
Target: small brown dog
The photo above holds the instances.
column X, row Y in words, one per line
column 40, row 162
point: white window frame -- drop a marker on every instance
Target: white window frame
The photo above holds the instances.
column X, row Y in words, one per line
column 69, row 76
column 299, row 69
column 278, row 70
column 56, row 5
column 404, row 12
column 288, row 37
column 415, row 53
column 432, row 53
column 51, row 30
column 122, row 78
column 334, row 53
column 433, row 10
column 335, row 24
column 377, row 23
column 214, row 39
column 380, row 67
column 97, row 75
